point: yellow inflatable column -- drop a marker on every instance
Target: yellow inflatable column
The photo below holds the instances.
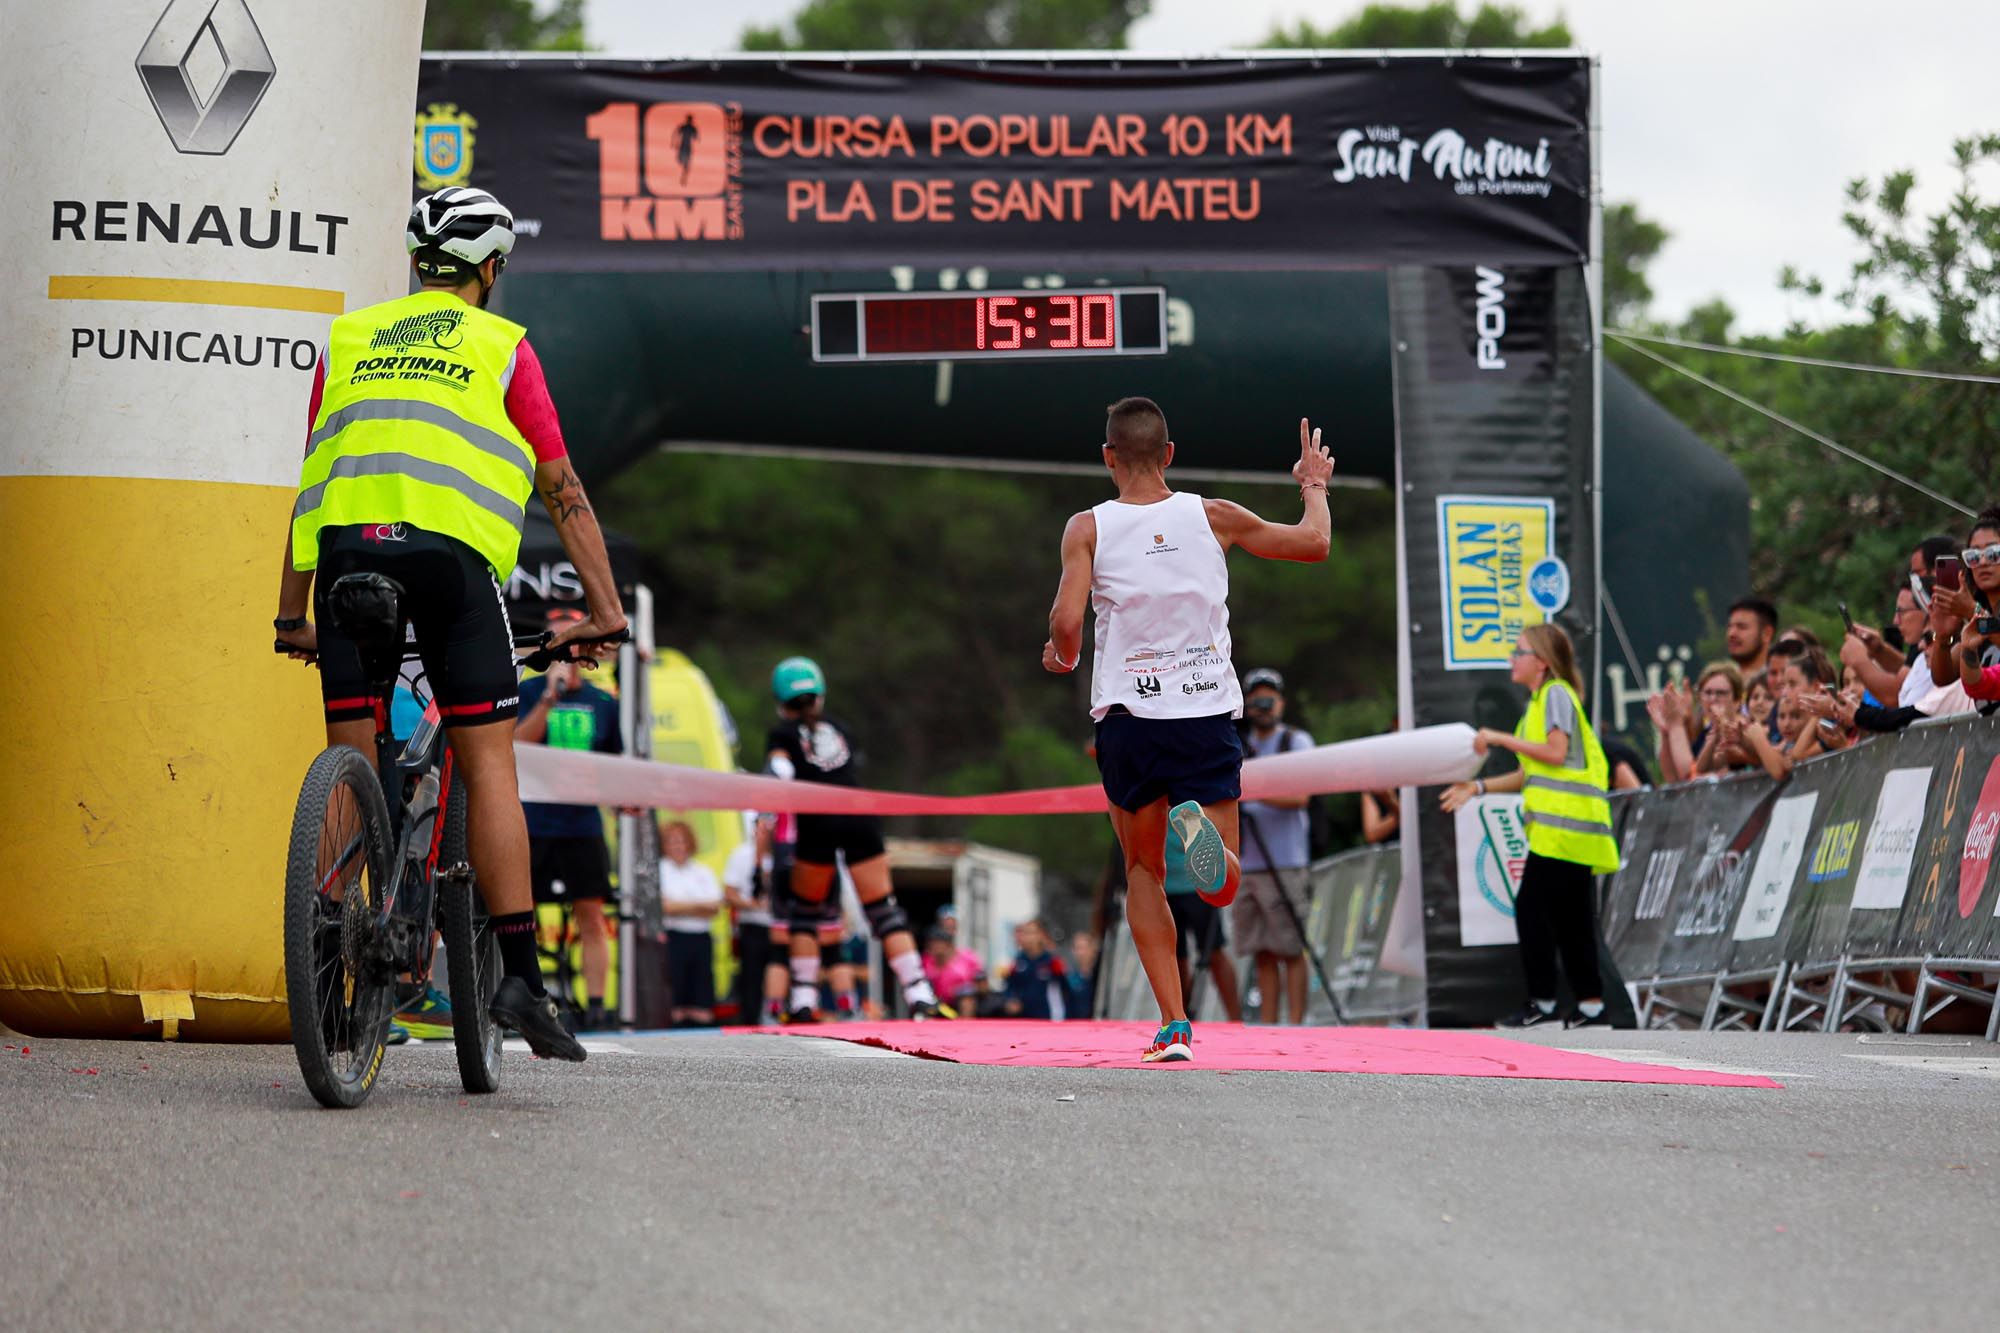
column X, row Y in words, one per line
column 193, row 189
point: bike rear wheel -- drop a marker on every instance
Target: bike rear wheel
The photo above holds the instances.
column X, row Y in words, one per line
column 336, row 873
column 471, row 955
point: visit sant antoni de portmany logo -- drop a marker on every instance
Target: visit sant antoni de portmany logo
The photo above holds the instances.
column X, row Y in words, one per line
column 1490, row 166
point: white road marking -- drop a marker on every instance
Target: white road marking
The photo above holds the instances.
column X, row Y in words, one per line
column 1936, row 1064
column 591, row 1045
column 1646, row 1057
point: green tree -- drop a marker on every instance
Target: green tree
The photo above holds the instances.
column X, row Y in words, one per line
column 1436, row 26
column 950, row 25
column 1923, row 294
column 503, row 25
column 1631, row 242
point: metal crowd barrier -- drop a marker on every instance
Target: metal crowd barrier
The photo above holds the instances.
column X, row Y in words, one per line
column 1855, row 894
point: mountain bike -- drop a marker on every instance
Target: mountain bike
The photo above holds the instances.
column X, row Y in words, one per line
column 378, row 869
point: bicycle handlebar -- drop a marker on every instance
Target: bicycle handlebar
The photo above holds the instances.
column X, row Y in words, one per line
column 541, row 659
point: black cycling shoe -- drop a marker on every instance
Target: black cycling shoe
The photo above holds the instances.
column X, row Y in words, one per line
column 925, row 1009
column 535, row 1018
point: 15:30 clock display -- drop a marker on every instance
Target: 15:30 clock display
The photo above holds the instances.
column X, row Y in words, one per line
column 955, row 326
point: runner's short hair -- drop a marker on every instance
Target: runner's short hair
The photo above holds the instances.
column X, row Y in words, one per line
column 1136, row 430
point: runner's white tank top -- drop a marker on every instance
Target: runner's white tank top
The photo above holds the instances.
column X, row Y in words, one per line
column 1159, row 584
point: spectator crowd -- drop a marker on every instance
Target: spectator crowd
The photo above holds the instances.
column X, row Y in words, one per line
column 1781, row 696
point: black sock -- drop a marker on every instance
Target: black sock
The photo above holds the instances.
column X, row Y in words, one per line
column 516, row 933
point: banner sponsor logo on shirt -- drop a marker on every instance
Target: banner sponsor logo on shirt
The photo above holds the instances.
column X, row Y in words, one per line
column 1488, row 547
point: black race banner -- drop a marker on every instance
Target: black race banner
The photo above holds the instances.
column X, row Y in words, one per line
column 626, row 165
column 1881, row 851
column 1495, row 422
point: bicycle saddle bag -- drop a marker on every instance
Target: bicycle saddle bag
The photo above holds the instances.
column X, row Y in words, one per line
column 367, row 607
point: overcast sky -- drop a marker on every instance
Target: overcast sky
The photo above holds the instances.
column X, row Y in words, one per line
column 1736, row 123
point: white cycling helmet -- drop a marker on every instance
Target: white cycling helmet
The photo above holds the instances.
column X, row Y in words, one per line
column 454, row 230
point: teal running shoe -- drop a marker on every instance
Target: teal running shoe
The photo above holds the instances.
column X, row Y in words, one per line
column 1173, row 1044
column 398, row 1035
column 428, row 1016
column 1203, row 860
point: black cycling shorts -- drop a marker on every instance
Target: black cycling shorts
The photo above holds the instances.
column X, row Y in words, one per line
column 821, row 836
column 454, row 605
column 565, row 870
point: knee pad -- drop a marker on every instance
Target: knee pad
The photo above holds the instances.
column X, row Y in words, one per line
column 809, row 918
column 829, row 955
column 885, row 917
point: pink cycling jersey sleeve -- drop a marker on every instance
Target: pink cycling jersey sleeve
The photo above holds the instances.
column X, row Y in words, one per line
column 319, row 391
column 531, row 409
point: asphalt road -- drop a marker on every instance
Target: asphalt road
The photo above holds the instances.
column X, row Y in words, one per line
column 752, row 1182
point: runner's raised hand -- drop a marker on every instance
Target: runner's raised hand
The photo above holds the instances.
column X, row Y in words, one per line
column 1315, row 465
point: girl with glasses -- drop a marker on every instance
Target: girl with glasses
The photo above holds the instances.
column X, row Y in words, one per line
column 1562, row 781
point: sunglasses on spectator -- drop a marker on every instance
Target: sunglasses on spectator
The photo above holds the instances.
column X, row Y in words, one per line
column 1522, row 652
column 1984, row 555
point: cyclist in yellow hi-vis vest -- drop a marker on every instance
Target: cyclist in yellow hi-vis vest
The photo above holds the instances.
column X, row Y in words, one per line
column 431, row 426
column 1562, row 782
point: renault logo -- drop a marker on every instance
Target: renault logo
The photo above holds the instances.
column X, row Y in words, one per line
column 206, row 67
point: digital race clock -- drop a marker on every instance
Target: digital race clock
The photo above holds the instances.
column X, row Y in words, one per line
column 971, row 326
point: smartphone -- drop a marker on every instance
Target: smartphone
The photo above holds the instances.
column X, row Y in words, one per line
column 1947, row 572
column 1846, row 619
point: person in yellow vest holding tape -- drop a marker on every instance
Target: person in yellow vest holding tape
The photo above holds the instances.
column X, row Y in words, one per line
column 431, row 426
column 1562, row 782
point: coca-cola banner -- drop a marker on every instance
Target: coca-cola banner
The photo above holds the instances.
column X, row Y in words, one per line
column 630, row 165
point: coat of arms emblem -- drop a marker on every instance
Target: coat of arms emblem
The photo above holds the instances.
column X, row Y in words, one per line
column 444, row 146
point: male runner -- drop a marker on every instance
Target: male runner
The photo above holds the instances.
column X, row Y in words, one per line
column 806, row 746
column 1152, row 565
column 431, row 426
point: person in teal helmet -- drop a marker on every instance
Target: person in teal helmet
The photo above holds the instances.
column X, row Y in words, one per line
column 804, row 745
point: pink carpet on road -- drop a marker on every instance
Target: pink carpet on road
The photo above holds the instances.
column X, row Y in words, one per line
column 1227, row 1047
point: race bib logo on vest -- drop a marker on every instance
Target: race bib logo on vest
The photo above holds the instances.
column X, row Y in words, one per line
column 377, row 533
column 1160, row 546
column 1147, row 686
column 434, row 328
column 444, row 146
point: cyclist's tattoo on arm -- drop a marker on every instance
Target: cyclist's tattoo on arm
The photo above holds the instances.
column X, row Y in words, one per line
column 564, row 497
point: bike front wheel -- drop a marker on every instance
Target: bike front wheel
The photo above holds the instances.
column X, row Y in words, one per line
column 471, row 955
column 336, row 873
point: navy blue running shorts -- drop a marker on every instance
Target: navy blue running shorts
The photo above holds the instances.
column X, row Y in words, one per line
column 1142, row 759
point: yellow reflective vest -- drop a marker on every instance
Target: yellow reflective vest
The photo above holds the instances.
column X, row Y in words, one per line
column 413, row 428
column 1565, row 808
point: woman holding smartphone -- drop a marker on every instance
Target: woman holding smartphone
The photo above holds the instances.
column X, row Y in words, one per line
column 1977, row 661
column 1562, row 782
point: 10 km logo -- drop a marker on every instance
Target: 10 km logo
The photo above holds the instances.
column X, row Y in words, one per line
column 674, row 172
